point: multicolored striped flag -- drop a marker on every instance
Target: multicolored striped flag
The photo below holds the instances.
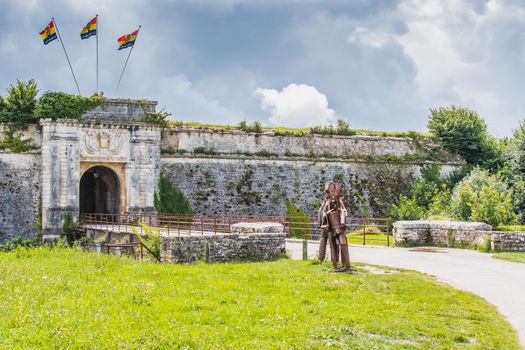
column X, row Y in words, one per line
column 49, row 33
column 128, row 40
column 89, row 30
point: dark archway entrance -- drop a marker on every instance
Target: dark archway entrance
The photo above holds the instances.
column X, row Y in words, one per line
column 99, row 191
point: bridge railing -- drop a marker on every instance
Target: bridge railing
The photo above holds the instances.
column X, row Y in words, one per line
column 359, row 230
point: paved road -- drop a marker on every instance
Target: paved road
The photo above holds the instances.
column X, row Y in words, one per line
column 501, row 283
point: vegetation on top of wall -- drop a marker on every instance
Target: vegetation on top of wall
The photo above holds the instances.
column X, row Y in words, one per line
column 20, row 105
column 14, row 142
column 170, row 199
column 160, row 118
column 255, row 127
column 288, row 131
column 342, row 128
column 59, row 105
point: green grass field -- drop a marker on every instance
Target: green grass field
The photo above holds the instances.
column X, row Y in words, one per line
column 517, row 257
column 370, row 239
column 67, row 299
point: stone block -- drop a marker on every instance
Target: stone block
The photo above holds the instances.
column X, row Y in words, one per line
column 257, row 227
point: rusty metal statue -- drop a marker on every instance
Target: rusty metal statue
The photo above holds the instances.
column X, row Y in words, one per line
column 332, row 223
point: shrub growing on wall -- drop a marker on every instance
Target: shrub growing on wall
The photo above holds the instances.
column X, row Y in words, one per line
column 170, row 199
column 59, row 105
column 482, row 197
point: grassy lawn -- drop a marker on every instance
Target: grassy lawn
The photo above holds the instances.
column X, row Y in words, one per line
column 371, row 239
column 517, row 257
column 64, row 298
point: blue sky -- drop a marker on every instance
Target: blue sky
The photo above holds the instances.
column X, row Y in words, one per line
column 378, row 64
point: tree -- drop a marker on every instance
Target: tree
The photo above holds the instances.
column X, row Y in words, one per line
column 406, row 209
column 19, row 103
column 299, row 221
column 463, row 132
column 482, row 197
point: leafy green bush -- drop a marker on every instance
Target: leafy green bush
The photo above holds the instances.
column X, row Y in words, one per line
column 440, row 203
column 59, row 105
column 463, row 132
column 19, row 103
column 482, row 197
column 255, row 127
column 170, row 200
column 13, row 142
column 341, row 128
column 426, row 186
column 19, row 242
column 299, row 221
column 406, row 209
column 160, row 118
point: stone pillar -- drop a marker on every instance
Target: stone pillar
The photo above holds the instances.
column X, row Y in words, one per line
column 60, row 174
column 143, row 171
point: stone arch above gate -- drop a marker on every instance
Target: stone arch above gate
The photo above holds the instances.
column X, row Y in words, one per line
column 102, row 188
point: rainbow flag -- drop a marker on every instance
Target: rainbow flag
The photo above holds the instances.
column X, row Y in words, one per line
column 89, row 30
column 128, row 40
column 49, row 33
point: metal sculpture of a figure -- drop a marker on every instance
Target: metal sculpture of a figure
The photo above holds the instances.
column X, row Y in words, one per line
column 332, row 223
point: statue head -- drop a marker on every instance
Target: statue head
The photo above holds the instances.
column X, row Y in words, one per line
column 332, row 189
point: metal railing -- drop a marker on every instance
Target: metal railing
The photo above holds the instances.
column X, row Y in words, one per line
column 359, row 230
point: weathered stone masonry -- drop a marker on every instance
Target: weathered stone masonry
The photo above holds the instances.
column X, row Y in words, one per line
column 19, row 195
column 259, row 186
column 453, row 233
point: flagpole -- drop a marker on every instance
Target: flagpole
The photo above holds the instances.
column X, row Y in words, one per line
column 97, row 51
column 125, row 64
column 65, row 52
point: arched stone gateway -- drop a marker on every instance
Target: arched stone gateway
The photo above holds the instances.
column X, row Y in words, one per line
column 106, row 163
column 99, row 191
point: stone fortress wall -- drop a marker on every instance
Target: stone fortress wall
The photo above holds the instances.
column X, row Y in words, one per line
column 219, row 171
column 20, row 184
column 231, row 171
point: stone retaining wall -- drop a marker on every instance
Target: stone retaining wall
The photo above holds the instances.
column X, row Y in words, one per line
column 223, row 247
column 441, row 233
column 509, row 241
column 251, row 241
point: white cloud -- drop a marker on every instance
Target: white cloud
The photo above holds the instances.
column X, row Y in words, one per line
column 364, row 36
column 188, row 101
column 296, row 105
column 468, row 54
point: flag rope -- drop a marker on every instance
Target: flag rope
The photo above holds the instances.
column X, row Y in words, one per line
column 65, row 52
column 97, row 50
